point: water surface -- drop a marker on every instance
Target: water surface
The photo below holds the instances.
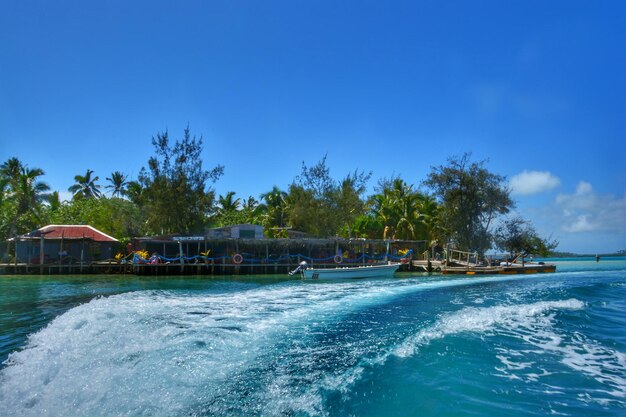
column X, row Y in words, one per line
column 409, row 346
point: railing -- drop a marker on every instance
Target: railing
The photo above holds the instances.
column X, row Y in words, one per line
column 463, row 258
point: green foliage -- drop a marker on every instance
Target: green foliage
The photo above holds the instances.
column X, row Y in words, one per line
column 117, row 184
column 517, row 236
column 471, row 198
column 23, row 195
column 321, row 206
column 400, row 212
column 173, row 195
column 134, row 192
column 227, row 203
column 367, row 226
column 306, row 213
column 114, row 216
column 273, row 212
column 228, row 211
column 86, row 186
column 174, row 188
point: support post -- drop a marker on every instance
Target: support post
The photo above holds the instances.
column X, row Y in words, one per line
column 182, row 260
column 41, row 256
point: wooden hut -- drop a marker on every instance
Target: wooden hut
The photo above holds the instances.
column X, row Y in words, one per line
column 63, row 245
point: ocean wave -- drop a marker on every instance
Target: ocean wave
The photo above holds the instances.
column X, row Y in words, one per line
column 249, row 352
column 163, row 353
column 472, row 319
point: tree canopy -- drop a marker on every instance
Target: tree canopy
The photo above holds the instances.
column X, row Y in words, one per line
column 322, row 206
column 176, row 194
column 86, row 186
column 173, row 194
column 471, row 198
column 517, row 236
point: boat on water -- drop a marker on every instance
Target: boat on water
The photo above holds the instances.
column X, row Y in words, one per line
column 367, row 271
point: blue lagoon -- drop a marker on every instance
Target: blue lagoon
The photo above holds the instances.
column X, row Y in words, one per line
column 413, row 345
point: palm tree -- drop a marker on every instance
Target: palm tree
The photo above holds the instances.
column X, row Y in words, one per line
column 134, row 191
column 85, row 186
column 383, row 208
column 403, row 212
column 431, row 211
column 275, row 206
column 253, row 211
column 227, row 204
column 55, row 201
column 27, row 194
column 4, row 189
column 118, row 184
column 11, row 170
column 407, row 215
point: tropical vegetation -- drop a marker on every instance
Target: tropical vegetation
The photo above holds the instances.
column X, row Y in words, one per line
column 460, row 203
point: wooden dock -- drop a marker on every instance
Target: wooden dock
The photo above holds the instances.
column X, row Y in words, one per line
column 468, row 263
column 513, row 269
column 147, row 269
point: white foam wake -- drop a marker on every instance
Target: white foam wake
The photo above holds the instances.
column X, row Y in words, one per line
column 166, row 354
column 162, row 353
column 472, row 319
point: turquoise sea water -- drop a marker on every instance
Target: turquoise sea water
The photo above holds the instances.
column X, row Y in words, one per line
column 414, row 345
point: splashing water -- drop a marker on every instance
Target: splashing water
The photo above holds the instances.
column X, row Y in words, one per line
column 360, row 348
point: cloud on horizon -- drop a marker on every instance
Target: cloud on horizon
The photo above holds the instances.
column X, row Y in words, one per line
column 583, row 220
column 586, row 211
column 533, row 182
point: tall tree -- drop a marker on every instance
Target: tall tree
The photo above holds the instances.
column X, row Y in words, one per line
column 402, row 211
column 175, row 187
column 23, row 196
column 227, row 203
column 117, row 184
column 273, row 212
column 518, row 237
column 253, row 212
column 227, row 210
column 471, row 198
column 115, row 216
column 11, row 169
column 86, row 186
column 275, row 206
column 322, row 206
column 134, row 191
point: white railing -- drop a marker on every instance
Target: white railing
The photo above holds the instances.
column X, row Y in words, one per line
column 463, row 257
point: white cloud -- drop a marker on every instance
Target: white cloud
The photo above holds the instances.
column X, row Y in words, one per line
column 533, row 182
column 583, row 188
column 586, row 211
column 583, row 221
column 581, row 224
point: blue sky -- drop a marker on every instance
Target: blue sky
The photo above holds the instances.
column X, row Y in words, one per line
column 535, row 87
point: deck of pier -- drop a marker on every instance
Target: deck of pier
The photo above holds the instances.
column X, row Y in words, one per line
column 207, row 256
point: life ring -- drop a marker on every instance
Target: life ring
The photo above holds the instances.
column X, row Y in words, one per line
column 404, row 260
column 237, row 258
column 338, row 259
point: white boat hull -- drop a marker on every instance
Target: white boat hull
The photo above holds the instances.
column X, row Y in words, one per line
column 352, row 272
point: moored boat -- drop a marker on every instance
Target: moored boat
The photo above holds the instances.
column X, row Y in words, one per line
column 368, row 271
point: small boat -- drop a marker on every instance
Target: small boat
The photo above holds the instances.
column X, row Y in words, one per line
column 369, row 271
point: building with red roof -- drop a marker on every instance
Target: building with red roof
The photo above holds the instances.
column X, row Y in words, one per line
column 64, row 244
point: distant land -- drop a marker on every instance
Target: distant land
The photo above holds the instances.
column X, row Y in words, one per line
column 579, row 255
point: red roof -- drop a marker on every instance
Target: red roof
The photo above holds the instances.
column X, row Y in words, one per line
column 54, row 231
